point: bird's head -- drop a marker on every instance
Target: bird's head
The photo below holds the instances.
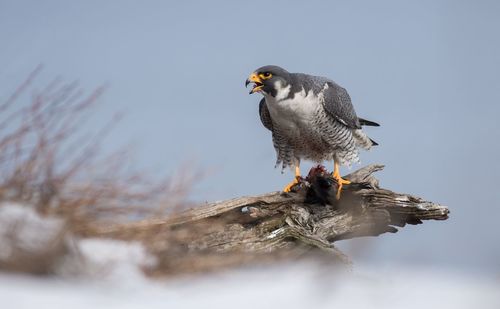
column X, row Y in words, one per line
column 269, row 79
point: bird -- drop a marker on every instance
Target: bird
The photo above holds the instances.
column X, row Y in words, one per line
column 310, row 118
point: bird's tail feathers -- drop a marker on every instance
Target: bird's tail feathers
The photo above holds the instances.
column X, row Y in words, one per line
column 368, row 123
column 362, row 140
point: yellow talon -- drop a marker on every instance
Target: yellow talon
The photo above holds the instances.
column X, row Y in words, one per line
column 289, row 186
column 295, row 181
column 340, row 180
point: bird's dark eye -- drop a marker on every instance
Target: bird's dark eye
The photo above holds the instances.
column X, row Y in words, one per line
column 266, row 75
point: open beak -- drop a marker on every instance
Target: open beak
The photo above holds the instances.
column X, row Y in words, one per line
column 254, row 78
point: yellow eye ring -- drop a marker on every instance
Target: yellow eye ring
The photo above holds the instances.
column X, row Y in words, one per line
column 265, row 75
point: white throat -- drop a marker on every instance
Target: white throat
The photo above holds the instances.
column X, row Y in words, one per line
column 293, row 113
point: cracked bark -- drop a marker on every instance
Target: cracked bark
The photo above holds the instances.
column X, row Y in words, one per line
column 277, row 225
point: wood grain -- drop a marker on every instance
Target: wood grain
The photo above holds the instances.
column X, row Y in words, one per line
column 277, row 225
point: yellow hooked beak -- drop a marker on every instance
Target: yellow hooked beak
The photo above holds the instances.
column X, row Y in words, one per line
column 254, row 78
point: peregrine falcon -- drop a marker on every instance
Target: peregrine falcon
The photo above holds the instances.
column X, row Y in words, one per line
column 310, row 117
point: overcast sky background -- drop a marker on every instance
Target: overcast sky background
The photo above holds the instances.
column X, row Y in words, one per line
column 427, row 71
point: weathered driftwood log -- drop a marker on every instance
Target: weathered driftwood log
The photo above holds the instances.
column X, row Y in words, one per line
column 259, row 228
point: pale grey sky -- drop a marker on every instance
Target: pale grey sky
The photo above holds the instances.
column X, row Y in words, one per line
column 428, row 71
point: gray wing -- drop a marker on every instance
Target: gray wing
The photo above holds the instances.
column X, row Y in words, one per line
column 265, row 117
column 338, row 104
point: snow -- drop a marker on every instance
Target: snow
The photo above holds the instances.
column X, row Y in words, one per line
column 20, row 228
column 278, row 287
column 104, row 273
column 106, row 259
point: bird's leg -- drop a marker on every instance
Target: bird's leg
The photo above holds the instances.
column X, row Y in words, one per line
column 295, row 181
column 340, row 180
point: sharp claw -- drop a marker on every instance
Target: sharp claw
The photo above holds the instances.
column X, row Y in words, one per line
column 340, row 183
column 288, row 188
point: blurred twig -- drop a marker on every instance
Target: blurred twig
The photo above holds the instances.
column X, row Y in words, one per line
column 48, row 159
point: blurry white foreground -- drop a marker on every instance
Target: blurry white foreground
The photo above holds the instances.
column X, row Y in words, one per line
column 106, row 274
column 292, row 287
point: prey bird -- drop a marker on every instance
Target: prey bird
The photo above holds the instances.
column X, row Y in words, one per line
column 310, row 117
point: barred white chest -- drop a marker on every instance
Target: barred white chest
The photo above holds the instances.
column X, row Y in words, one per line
column 302, row 128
